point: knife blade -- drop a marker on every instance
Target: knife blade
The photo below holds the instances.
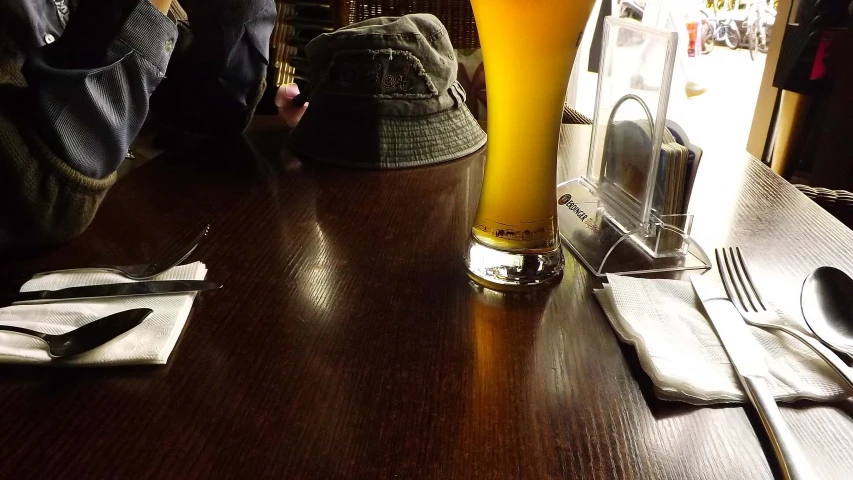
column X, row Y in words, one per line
column 743, row 349
column 747, row 358
column 129, row 289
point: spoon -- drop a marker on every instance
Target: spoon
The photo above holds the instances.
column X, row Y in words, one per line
column 827, row 303
column 88, row 336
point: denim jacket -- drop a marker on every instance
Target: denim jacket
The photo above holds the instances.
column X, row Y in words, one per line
column 76, row 85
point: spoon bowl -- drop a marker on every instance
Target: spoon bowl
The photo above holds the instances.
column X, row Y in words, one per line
column 89, row 336
column 827, row 303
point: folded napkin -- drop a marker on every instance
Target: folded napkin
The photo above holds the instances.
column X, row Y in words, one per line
column 150, row 343
column 680, row 351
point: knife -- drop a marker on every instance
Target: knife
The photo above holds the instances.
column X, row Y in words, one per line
column 747, row 359
column 129, row 289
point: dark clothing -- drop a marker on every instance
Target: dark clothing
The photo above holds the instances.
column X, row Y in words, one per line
column 93, row 100
column 75, row 85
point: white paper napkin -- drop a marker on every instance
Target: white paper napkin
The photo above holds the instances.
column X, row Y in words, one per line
column 680, row 351
column 150, row 343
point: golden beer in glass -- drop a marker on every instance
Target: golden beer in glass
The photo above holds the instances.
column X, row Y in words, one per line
column 529, row 47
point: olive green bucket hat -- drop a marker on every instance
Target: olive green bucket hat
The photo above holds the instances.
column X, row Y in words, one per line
column 384, row 94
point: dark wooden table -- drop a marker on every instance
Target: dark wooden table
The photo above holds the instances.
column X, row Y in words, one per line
column 348, row 342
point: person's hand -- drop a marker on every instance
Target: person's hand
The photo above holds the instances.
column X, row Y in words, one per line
column 284, row 101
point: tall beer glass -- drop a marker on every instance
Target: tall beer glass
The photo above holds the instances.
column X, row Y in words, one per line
column 529, row 47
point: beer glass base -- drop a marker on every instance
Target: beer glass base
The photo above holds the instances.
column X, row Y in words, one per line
column 492, row 267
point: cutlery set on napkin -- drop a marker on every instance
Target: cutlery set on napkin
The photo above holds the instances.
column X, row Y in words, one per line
column 679, row 350
column 699, row 343
column 101, row 315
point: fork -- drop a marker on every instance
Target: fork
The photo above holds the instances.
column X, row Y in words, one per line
column 142, row 271
column 743, row 294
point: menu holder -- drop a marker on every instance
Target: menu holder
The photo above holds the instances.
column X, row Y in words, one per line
column 628, row 214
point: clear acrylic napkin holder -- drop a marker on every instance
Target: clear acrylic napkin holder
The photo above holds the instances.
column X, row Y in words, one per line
column 612, row 218
column 605, row 246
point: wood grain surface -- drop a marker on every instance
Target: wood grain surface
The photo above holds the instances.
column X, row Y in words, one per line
column 348, row 342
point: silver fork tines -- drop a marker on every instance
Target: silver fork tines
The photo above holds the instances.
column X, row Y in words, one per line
column 741, row 263
column 738, row 281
